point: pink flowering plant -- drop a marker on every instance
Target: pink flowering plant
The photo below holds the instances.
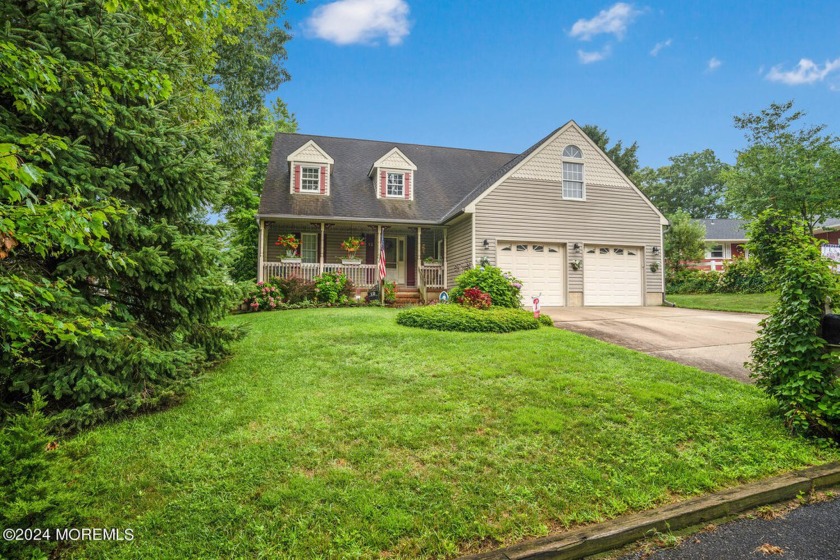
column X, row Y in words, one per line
column 263, row 297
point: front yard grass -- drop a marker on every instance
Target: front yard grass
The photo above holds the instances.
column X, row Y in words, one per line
column 744, row 303
column 335, row 433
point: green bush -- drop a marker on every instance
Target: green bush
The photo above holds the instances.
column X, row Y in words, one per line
column 448, row 317
column 32, row 491
column 546, row 321
column 294, row 289
column 790, row 360
column 332, row 287
column 502, row 287
column 739, row 276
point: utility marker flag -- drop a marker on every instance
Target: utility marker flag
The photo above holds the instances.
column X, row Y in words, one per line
column 382, row 270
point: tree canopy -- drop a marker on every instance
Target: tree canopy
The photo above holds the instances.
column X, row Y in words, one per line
column 119, row 125
column 624, row 157
column 692, row 182
column 787, row 166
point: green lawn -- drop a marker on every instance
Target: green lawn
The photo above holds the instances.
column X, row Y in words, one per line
column 336, row 433
column 745, row 303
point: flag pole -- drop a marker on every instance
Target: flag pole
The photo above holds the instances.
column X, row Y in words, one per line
column 381, row 241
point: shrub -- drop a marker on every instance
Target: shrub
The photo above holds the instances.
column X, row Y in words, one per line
column 31, row 488
column 739, row 276
column 332, row 287
column 790, row 360
column 474, row 297
column 467, row 319
column 390, row 292
column 263, row 297
column 294, row 289
column 502, row 288
column 546, row 321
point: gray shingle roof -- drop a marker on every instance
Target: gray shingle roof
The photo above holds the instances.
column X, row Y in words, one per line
column 444, row 178
column 725, row 229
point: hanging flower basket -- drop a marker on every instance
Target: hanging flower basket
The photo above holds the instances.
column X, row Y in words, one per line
column 429, row 261
column 352, row 246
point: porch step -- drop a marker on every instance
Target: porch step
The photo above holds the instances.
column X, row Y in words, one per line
column 407, row 297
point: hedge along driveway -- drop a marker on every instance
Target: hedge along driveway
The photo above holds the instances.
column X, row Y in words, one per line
column 337, row 433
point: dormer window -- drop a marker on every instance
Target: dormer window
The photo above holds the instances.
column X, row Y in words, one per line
column 310, row 179
column 310, row 168
column 393, row 176
column 396, row 183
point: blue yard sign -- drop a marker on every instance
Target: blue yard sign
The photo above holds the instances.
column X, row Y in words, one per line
column 444, row 297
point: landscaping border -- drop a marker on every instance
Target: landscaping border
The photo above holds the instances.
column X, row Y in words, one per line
column 603, row 537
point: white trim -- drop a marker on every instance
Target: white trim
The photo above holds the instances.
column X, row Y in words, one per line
column 571, row 124
column 311, row 144
column 381, row 161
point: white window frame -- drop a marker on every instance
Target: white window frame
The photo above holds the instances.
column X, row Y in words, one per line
column 305, row 240
column 577, row 161
column 304, row 179
column 388, row 192
column 710, row 250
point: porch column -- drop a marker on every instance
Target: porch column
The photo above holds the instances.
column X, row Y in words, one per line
column 260, row 244
column 418, row 280
column 378, row 261
column 445, row 260
column 321, row 252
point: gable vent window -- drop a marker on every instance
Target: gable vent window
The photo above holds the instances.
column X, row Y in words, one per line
column 573, row 173
column 309, row 179
column 395, row 184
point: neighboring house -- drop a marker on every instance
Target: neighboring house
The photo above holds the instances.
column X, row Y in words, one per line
column 560, row 216
column 726, row 240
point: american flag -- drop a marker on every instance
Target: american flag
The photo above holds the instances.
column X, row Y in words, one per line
column 382, row 270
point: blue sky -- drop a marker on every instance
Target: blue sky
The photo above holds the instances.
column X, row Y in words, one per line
column 499, row 75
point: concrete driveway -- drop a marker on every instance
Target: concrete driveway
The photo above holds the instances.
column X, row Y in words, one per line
column 714, row 341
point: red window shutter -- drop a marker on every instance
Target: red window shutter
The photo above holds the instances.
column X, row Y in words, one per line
column 383, row 184
column 407, row 185
column 323, row 179
column 297, row 178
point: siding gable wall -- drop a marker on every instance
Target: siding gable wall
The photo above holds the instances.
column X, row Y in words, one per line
column 529, row 206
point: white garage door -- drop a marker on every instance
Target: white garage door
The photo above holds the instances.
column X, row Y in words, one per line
column 612, row 275
column 539, row 266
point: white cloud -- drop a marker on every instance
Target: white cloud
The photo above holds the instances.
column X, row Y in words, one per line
column 806, row 72
column 347, row 22
column 713, row 64
column 659, row 46
column 614, row 20
column 588, row 57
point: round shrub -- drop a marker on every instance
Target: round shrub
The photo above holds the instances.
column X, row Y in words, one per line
column 502, row 288
column 467, row 319
column 546, row 321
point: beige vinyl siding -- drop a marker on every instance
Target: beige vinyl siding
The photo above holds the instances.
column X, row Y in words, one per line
column 575, row 277
column 534, row 210
column 458, row 248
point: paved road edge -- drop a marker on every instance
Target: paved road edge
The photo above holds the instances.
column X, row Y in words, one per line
column 603, row 537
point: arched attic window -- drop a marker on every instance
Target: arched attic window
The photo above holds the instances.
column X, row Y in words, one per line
column 573, row 187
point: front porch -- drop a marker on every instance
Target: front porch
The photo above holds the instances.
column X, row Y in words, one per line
column 414, row 255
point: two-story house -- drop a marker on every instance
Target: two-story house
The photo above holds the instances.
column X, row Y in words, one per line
column 560, row 216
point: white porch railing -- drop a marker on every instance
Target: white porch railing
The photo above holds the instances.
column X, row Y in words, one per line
column 362, row 275
column 432, row 276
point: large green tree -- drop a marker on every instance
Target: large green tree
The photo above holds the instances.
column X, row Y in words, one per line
column 110, row 154
column 692, row 182
column 684, row 241
column 787, row 166
column 624, row 157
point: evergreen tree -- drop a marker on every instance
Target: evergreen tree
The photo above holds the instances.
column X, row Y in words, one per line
column 110, row 155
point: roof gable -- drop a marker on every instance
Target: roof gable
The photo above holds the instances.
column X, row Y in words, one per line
column 310, row 152
column 394, row 159
column 541, row 162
